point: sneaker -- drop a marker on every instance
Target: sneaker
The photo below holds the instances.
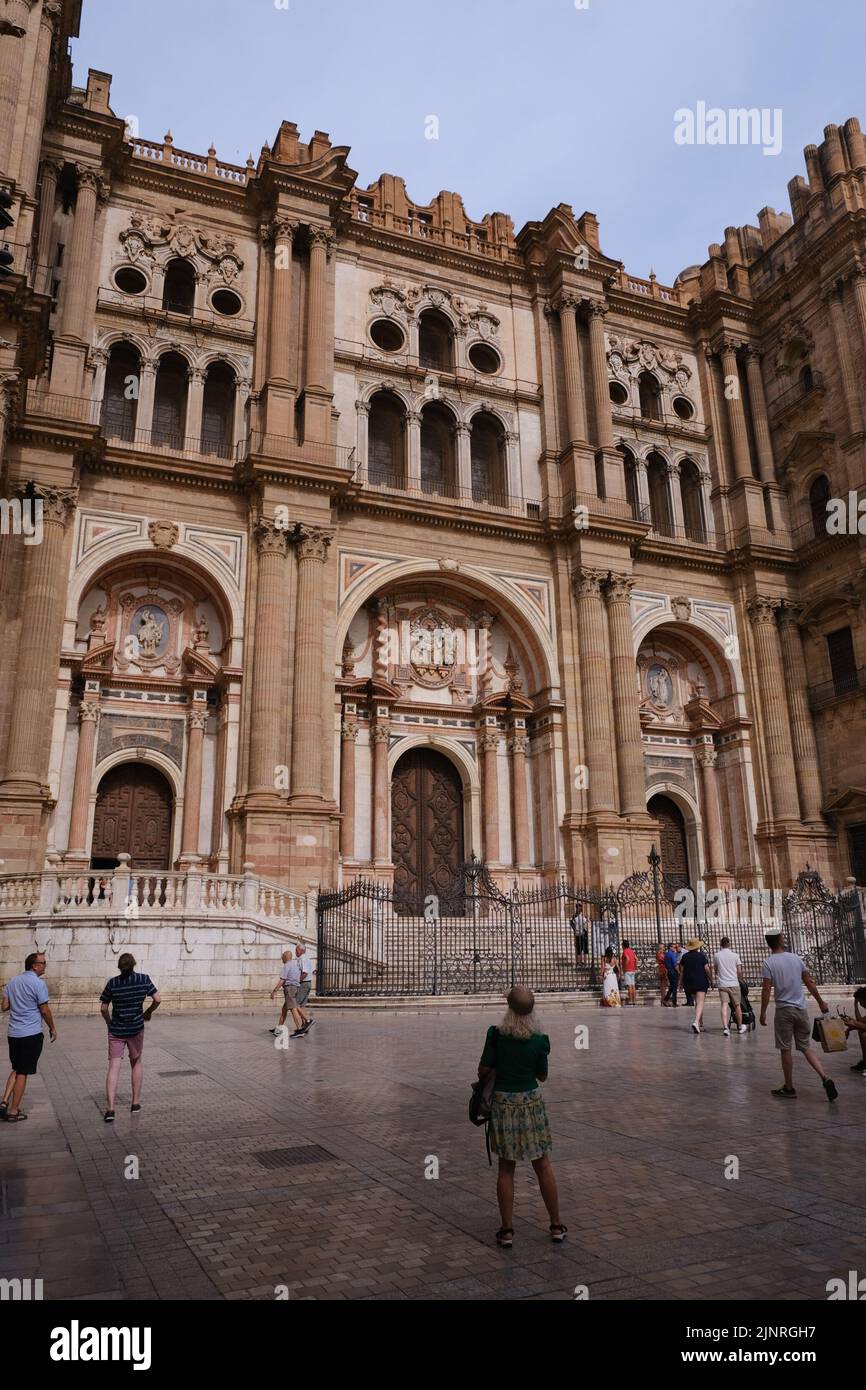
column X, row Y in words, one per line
column 742, row 1028
column 134, row 1109
column 308, row 1025
column 299, row 1033
column 726, row 1032
column 108, row 1117
column 830, row 1088
column 696, row 1029
column 784, row 1092
column 858, row 1066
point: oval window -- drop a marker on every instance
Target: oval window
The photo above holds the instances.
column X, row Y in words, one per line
column 387, row 335
column 484, row 358
column 226, row 302
column 618, row 393
column 683, row 408
column 129, row 280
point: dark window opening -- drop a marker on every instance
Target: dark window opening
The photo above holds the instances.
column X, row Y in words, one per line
column 484, row 359
column 386, row 442
column 659, row 495
column 178, row 294
column 843, row 665
column 488, row 460
column 438, row 467
column 650, row 396
column 387, row 335
column 218, row 409
column 819, row 496
column 434, row 342
column 693, row 502
column 169, row 406
column 120, row 398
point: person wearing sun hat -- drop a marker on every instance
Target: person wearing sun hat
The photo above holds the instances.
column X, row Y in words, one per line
column 696, row 978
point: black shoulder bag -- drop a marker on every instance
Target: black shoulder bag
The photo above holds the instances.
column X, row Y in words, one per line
column 481, row 1104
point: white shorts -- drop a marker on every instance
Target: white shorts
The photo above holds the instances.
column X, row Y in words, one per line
column 629, row 977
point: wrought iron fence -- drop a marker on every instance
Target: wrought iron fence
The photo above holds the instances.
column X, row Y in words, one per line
column 477, row 939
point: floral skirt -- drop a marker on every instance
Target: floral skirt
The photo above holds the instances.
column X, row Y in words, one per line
column 519, row 1127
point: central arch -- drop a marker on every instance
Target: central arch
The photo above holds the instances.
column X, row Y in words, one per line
column 426, row 824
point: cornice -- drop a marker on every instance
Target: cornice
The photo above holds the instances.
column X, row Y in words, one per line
column 518, row 529
column 348, row 230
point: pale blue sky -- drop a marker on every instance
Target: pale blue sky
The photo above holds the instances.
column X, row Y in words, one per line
column 538, row 103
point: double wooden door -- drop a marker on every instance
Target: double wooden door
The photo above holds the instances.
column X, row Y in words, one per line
column 133, row 816
column 673, row 847
column 426, row 826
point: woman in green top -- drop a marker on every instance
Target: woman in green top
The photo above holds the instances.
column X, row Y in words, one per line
column 519, row 1129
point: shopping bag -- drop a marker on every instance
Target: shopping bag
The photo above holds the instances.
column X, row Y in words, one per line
column 830, row 1033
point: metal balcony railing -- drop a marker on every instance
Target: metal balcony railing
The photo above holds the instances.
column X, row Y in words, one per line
column 487, row 498
column 839, row 688
column 798, row 392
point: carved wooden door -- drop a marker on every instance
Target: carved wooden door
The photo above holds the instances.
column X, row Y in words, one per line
column 672, row 848
column 133, row 816
column 426, row 827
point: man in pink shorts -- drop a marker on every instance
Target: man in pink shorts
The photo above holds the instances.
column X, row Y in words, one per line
column 123, row 996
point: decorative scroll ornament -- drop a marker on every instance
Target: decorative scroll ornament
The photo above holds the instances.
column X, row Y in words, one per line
column 432, row 648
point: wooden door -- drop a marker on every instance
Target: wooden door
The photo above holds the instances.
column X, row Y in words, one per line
column 672, row 847
column 426, row 826
column 133, row 816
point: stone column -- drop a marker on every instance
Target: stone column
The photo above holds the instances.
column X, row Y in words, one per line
column 642, row 485
column 47, row 200
column 517, row 745
column 321, row 240
column 267, row 704
column 312, row 550
column 8, row 398
column 239, row 418
column 595, row 691
column 348, row 740
column 707, row 499
column 412, row 480
column 802, row 727
column 626, row 712
column 194, row 405
column 859, row 280
column 146, row 398
column 281, row 301
column 362, row 441
column 566, row 307
column 760, row 422
column 379, row 740
column 42, row 604
column 196, row 723
column 464, row 460
column 76, row 279
column 777, row 734
column 833, row 299
column 490, row 795
column 736, row 414
column 13, row 44
column 38, row 97
column 88, row 723
column 714, row 844
column 675, row 499
column 598, row 360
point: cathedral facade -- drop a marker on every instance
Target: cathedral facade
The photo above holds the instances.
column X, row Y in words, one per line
column 345, row 536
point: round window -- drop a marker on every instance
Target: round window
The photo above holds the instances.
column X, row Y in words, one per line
column 387, row 335
column 484, row 358
column 683, row 408
column 129, row 280
column 618, row 393
column 226, row 302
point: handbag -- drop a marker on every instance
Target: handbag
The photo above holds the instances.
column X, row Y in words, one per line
column 830, row 1033
column 481, row 1105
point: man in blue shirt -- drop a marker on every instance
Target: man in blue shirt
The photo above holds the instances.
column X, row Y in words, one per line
column 121, row 1006
column 25, row 998
column 672, row 962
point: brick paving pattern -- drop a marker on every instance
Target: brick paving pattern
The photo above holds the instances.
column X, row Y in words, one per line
column 643, row 1122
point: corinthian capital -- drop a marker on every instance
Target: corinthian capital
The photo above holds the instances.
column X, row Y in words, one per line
column 321, row 236
column 89, row 712
column 197, row 719
column 281, row 229
column 762, row 609
column 271, row 538
column 58, row 504
column 379, row 733
column 566, row 303
column 595, row 308
column 87, row 177
column 790, row 614
column 618, row 587
column 706, row 756
column 313, row 543
column 587, row 582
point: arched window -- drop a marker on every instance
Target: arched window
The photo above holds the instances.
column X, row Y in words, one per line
column 650, row 396
column 169, row 404
column 435, row 348
column 631, row 488
column 218, row 410
column 122, row 387
column 659, row 494
column 178, row 292
column 819, row 496
column 386, row 451
column 488, row 460
column 807, row 379
column 693, row 502
column 438, row 464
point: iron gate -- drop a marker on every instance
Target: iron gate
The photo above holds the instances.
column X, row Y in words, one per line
column 479, row 940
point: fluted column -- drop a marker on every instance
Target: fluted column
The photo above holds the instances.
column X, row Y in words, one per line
column 348, row 740
column 267, row 702
column 517, row 746
column 146, row 399
column 832, row 298
column 675, row 498
column 714, row 843
column 490, row 793
column 736, row 413
column 575, row 411
column 76, row 279
column 47, row 200
column 598, row 361
column 8, row 398
column 626, row 711
column 379, row 739
column 88, row 723
column 194, row 406
column 283, row 230
column 312, row 551
column 321, row 240
column 239, row 415
column 464, row 459
column 802, row 727
column 859, row 280
column 777, row 734
column 43, row 600
column 413, row 451
column 760, row 421
column 38, row 96
column 595, row 691
column 196, row 723
column 12, row 47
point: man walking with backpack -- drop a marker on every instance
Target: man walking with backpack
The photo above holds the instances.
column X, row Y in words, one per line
column 784, row 974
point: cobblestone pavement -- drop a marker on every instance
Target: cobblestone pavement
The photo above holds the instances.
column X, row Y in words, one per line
column 643, row 1122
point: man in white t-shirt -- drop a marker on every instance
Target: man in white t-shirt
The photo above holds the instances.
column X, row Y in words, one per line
column 290, row 978
column 729, row 978
column 784, row 975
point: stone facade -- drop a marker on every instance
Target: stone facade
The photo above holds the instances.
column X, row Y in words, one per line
column 325, row 477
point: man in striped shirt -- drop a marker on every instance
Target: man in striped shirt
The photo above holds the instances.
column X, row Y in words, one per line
column 123, row 996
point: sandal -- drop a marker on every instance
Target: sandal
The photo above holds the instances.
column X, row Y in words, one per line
column 14, row 1119
column 558, row 1234
column 505, row 1237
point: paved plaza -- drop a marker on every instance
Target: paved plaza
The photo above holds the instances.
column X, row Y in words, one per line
column 643, row 1121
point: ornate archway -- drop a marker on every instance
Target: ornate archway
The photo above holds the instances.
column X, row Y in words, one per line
column 426, row 824
column 133, row 816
